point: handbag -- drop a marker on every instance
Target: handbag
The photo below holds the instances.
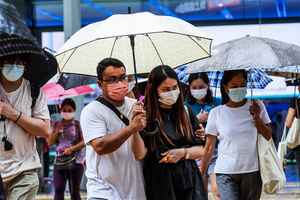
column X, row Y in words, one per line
column 64, row 161
column 282, row 146
column 293, row 136
column 271, row 170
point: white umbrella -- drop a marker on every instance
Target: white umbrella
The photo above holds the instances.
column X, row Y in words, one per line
column 141, row 41
column 249, row 52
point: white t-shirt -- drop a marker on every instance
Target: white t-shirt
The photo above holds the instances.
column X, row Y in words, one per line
column 24, row 155
column 237, row 135
column 114, row 176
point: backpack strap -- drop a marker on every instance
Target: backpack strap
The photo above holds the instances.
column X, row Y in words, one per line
column 123, row 118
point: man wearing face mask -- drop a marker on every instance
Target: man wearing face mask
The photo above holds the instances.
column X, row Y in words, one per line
column 23, row 117
column 110, row 128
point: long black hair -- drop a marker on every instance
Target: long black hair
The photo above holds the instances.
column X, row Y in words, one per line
column 209, row 96
column 158, row 75
column 227, row 77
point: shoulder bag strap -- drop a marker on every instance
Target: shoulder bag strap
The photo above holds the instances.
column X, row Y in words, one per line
column 123, row 118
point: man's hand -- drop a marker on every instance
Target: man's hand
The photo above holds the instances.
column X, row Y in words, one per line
column 138, row 120
column 138, row 123
column 8, row 111
column 137, row 109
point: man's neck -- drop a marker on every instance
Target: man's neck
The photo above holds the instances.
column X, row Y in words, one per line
column 115, row 103
column 10, row 86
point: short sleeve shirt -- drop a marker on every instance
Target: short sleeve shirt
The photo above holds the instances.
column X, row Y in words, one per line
column 24, row 155
column 115, row 176
column 237, row 135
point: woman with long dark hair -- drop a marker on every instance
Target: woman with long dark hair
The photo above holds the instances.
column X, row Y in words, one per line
column 170, row 169
column 236, row 123
column 200, row 100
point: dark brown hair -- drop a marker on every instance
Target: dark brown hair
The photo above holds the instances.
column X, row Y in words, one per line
column 183, row 126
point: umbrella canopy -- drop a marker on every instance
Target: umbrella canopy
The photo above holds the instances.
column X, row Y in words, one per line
column 256, row 78
column 41, row 65
column 249, row 52
column 55, row 91
column 11, row 22
column 141, row 41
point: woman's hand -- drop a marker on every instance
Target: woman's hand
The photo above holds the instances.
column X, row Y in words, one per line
column 255, row 110
column 173, row 156
column 200, row 133
column 68, row 151
column 58, row 128
column 202, row 117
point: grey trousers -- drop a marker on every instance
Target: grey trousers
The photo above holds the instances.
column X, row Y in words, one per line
column 240, row 186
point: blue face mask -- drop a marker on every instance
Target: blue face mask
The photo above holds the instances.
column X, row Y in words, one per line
column 237, row 94
column 12, row 72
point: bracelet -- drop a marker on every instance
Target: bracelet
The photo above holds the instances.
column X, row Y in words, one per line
column 20, row 115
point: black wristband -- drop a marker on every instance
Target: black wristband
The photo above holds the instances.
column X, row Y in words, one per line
column 20, row 115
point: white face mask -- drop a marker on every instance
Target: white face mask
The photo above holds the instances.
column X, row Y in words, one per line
column 199, row 94
column 12, row 72
column 169, row 98
column 67, row 115
column 237, row 94
column 131, row 85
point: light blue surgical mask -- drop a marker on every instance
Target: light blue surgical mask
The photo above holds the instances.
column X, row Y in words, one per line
column 237, row 94
column 12, row 72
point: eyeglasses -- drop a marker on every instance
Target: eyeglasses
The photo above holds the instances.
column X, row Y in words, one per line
column 114, row 80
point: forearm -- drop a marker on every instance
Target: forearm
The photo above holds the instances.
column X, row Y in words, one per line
column 78, row 146
column 33, row 126
column 138, row 147
column 195, row 152
column 52, row 138
column 263, row 129
column 111, row 142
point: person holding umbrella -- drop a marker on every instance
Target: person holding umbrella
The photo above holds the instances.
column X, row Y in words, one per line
column 170, row 169
column 110, row 127
column 236, row 123
column 24, row 113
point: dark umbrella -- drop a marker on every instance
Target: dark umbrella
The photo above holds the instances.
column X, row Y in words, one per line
column 41, row 65
column 12, row 23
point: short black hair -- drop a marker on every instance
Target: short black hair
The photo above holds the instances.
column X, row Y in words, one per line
column 227, row 77
column 106, row 62
column 69, row 102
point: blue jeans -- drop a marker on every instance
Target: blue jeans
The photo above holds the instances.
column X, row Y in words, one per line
column 240, row 186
